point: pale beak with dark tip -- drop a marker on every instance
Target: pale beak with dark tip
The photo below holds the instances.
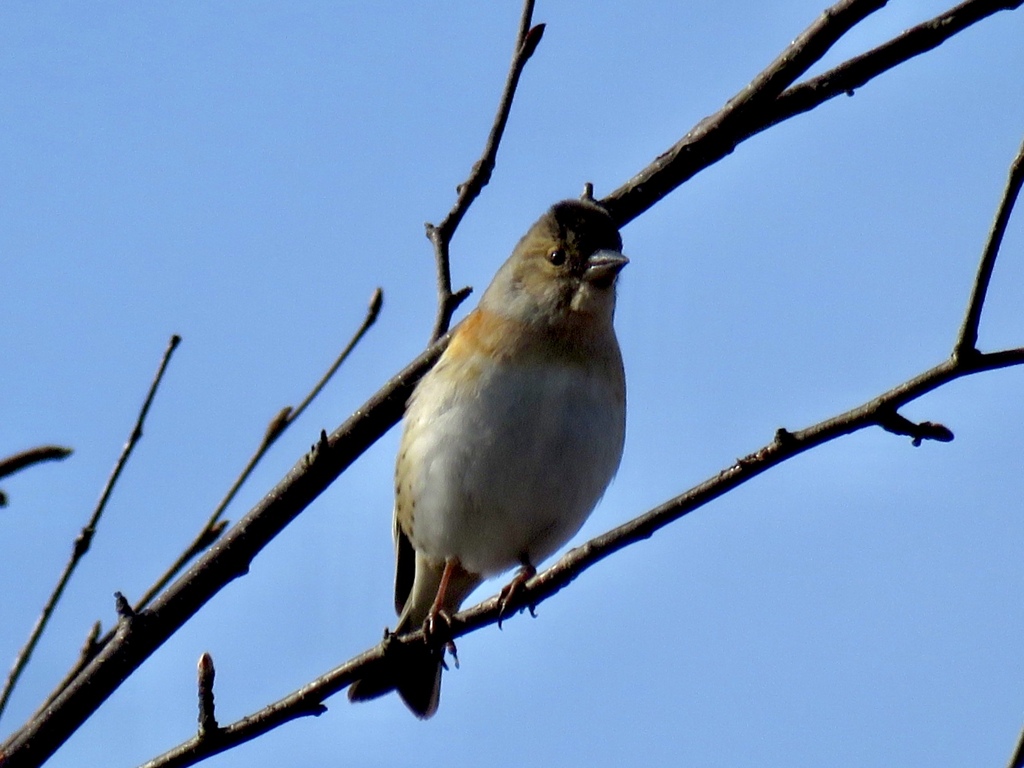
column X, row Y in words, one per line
column 603, row 266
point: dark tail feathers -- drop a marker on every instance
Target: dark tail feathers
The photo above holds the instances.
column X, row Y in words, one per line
column 413, row 670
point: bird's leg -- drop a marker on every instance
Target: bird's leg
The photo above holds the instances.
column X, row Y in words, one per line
column 512, row 590
column 431, row 625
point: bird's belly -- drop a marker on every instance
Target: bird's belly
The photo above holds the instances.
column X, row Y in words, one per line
column 509, row 474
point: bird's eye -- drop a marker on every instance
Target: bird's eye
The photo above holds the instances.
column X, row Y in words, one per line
column 557, row 257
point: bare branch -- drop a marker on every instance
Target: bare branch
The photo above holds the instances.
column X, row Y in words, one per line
column 124, row 609
column 527, row 40
column 287, row 416
column 967, row 342
column 20, row 461
column 84, row 539
column 1017, row 758
column 764, row 102
column 855, row 72
column 926, row 430
column 372, row 313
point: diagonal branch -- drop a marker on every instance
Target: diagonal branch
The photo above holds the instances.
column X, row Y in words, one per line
column 855, row 72
column 763, row 103
column 527, row 40
column 1017, row 758
column 19, row 461
column 84, row 539
column 966, row 343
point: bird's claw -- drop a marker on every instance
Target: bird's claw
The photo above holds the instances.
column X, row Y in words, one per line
column 437, row 624
column 454, row 652
column 511, row 591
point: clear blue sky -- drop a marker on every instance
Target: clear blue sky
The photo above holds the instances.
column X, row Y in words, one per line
column 244, row 174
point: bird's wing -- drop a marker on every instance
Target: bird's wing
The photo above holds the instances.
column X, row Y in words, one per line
column 405, row 568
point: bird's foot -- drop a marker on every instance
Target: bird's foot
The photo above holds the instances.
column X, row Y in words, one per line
column 511, row 591
column 437, row 626
column 437, row 629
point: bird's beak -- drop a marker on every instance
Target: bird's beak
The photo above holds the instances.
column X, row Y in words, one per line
column 603, row 266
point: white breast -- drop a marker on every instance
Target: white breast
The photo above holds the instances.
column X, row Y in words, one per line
column 509, row 471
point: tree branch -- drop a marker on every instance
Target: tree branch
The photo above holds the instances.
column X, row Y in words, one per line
column 527, row 40
column 967, row 342
column 20, row 461
column 855, row 72
column 84, row 539
column 764, row 103
column 1017, row 758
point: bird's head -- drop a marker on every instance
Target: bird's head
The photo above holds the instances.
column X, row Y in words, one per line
column 563, row 271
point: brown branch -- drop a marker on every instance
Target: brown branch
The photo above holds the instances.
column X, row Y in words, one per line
column 763, row 103
column 968, row 340
column 527, row 40
column 855, row 72
column 1017, row 758
column 84, row 539
column 926, row 430
column 20, row 461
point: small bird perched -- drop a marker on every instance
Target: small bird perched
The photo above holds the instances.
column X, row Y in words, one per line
column 511, row 439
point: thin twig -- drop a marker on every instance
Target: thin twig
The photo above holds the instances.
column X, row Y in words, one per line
column 20, row 461
column 855, row 72
column 441, row 235
column 84, row 539
column 717, row 135
column 918, row 432
column 287, row 416
column 745, row 116
column 968, row 340
column 1017, row 758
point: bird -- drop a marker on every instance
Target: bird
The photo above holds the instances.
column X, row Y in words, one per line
column 511, row 439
